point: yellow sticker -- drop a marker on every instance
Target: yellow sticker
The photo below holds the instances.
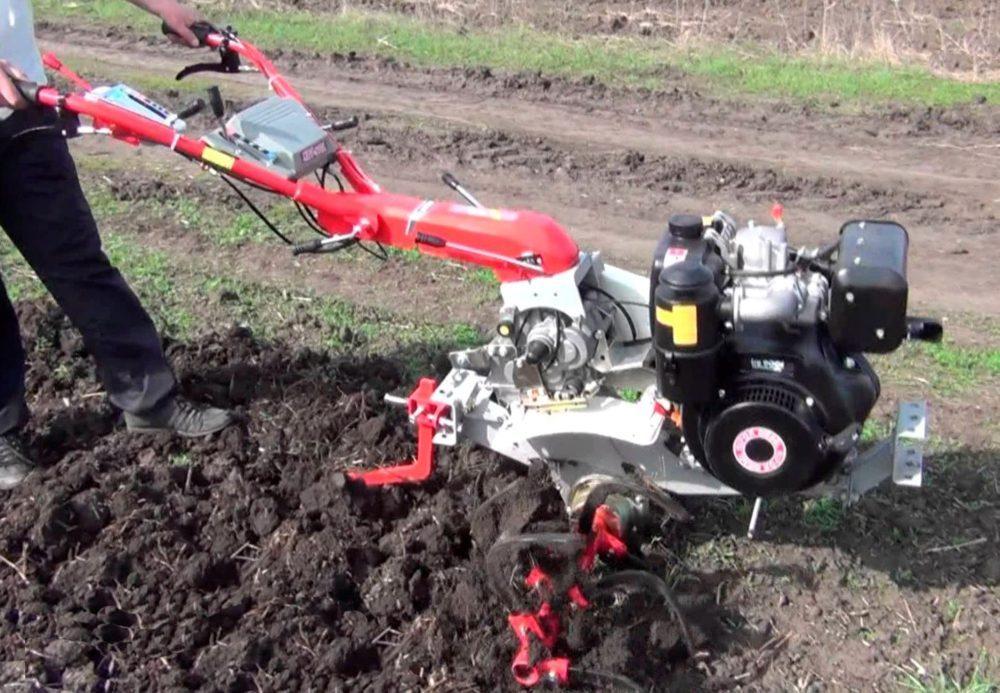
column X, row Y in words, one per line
column 218, row 159
column 683, row 320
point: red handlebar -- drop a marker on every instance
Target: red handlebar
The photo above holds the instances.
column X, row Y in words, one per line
column 516, row 244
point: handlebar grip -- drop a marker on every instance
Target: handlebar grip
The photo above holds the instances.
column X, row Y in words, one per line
column 201, row 30
column 27, row 89
column 195, row 108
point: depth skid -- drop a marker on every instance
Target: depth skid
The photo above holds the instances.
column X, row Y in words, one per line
column 425, row 415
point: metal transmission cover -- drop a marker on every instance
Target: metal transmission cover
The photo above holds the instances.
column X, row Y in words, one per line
column 278, row 133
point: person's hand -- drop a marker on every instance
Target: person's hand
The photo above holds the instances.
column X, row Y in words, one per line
column 179, row 18
column 10, row 97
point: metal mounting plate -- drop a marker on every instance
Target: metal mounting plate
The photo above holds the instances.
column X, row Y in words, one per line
column 908, row 451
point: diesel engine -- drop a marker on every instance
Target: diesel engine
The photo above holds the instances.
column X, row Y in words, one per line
column 762, row 344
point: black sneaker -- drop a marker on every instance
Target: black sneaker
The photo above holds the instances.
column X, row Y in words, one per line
column 181, row 417
column 14, row 464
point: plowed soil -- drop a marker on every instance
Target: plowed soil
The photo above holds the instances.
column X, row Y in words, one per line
column 249, row 561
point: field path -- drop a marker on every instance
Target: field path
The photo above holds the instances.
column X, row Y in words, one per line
column 945, row 189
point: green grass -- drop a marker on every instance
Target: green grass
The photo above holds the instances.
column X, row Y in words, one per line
column 824, row 514
column 630, row 394
column 946, row 368
column 807, row 79
column 617, row 61
column 965, row 363
column 977, row 682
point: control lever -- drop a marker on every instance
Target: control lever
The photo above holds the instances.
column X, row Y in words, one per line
column 216, row 102
column 338, row 125
column 453, row 183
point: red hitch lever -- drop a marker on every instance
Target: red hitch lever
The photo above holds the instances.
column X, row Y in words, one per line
column 425, row 414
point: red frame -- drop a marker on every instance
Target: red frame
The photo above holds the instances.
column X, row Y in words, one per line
column 515, row 244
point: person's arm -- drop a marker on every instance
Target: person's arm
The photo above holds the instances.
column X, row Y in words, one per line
column 177, row 16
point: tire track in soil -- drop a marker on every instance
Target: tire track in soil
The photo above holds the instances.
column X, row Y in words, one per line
column 244, row 562
column 613, row 177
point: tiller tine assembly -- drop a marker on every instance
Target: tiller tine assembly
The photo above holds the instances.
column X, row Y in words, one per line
column 561, row 575
column 426, row 415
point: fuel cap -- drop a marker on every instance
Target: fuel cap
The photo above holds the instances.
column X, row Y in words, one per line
column 685, row 226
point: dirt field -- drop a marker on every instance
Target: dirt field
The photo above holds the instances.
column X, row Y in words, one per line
column 246, row 563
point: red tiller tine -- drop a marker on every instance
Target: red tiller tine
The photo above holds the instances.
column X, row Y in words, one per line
column 554, row 670
column 544, row 625
column 537, row 578
column 605, row 538
column 575, row 595
column 426, row 413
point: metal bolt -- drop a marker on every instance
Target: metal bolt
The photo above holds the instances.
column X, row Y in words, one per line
column 810, row 402
column 849, row 362
column 880, row 333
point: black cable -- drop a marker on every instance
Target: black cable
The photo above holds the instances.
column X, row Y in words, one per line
column 310, row 219
column 621, row 307
column 255, row 210
column 380, row 255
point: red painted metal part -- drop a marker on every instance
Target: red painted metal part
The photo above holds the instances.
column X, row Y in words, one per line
column 56, row 65
column 544, row 625
column 605, row 538
column 515, row 244
column 426, row 414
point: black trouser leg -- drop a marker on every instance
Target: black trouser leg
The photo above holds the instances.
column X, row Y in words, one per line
column 13, row 411
column 44, row 212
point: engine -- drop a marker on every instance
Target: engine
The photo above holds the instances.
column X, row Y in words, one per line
column 762, row 345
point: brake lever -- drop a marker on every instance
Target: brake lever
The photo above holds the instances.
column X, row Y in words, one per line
column 229, row 61
column 229, row 64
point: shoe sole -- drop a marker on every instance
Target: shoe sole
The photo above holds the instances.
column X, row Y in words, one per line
column 182, row 434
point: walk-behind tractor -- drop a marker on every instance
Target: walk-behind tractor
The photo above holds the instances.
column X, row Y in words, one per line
column 736, row 366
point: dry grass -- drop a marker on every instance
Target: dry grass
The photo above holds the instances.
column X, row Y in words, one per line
column 957, row 38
